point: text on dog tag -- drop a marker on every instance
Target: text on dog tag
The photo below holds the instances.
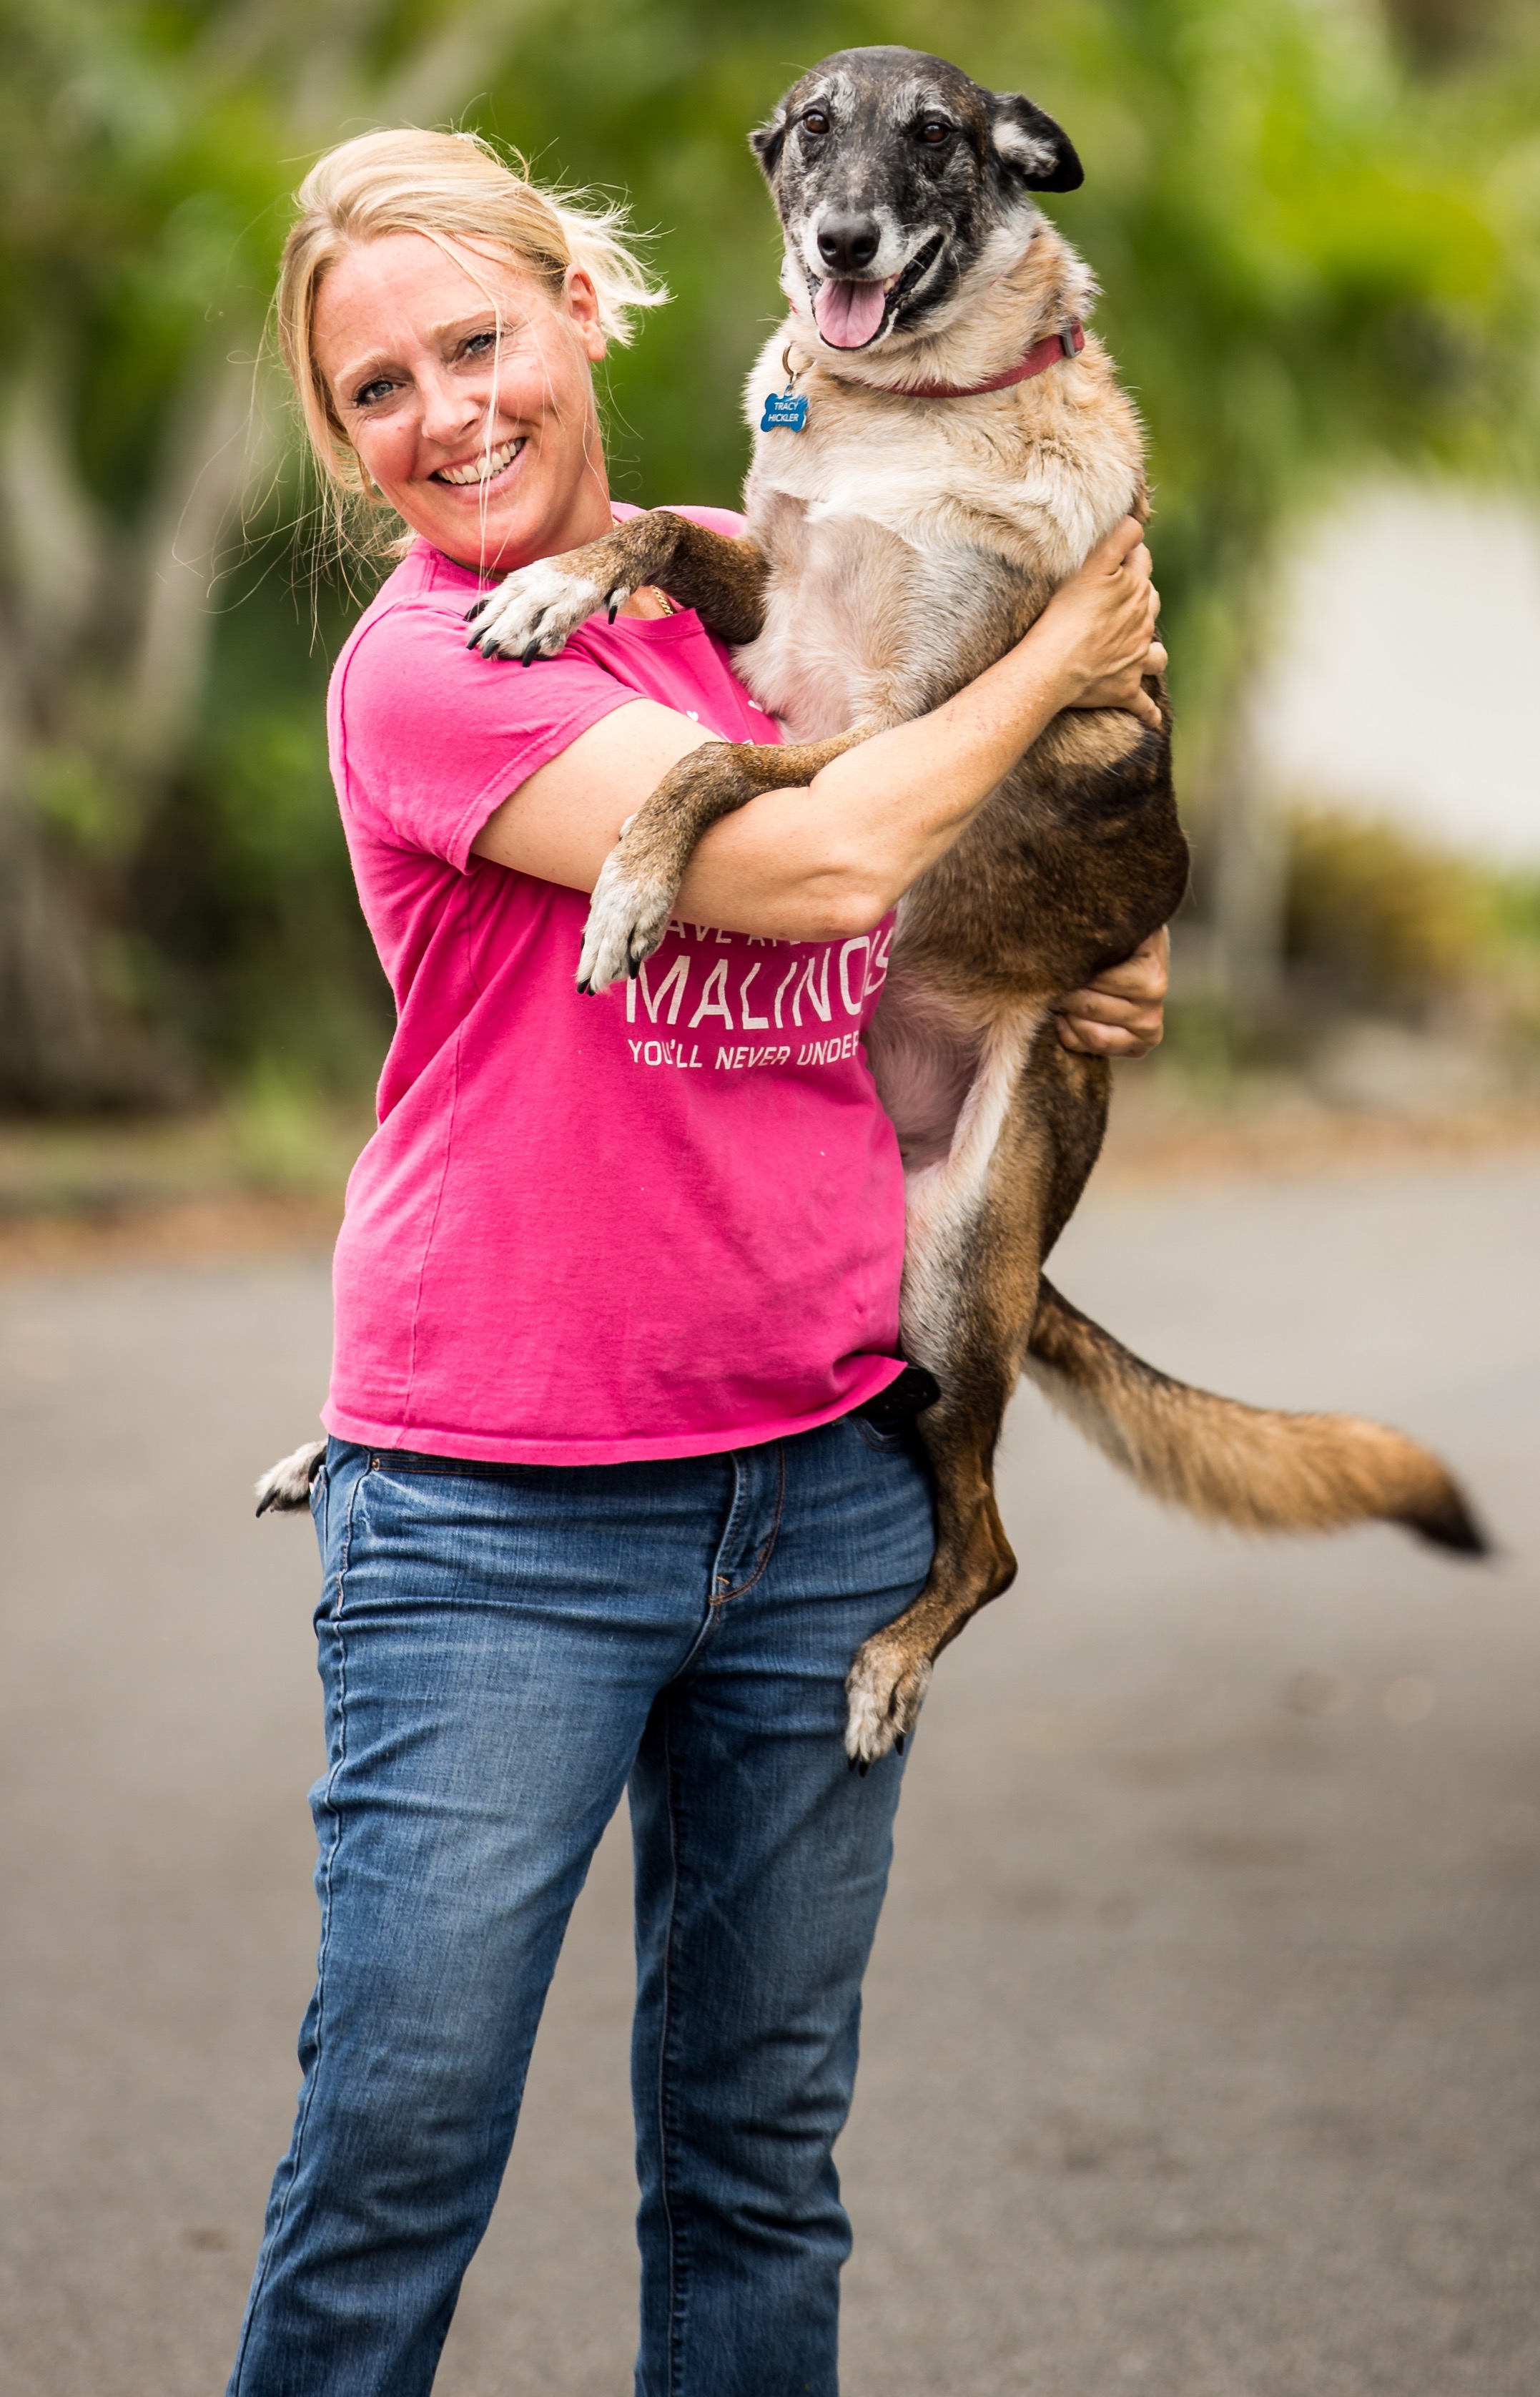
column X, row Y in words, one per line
column 785, row 410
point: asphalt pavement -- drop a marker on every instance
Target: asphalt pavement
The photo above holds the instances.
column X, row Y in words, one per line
column 1202, row 2041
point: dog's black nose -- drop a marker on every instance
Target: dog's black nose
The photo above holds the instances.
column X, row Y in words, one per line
column 848, row 245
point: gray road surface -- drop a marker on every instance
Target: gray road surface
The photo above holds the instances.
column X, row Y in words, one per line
column 1203, row 2048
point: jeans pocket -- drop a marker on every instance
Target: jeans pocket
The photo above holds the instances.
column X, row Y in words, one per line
column 893, row 1440
column 318, row 1505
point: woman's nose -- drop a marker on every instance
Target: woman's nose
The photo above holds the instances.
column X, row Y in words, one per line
column 449, row 408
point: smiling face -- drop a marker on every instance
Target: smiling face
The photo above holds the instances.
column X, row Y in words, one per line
column 899, row 181
column 468, row 398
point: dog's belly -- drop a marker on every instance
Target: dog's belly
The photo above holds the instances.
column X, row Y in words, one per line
column 924, row 1048
column 865, row 626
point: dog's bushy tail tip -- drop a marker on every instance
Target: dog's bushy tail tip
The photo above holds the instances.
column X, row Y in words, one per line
column 1253, row 1468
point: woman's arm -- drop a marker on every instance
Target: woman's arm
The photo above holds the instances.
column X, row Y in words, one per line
column 829, row 860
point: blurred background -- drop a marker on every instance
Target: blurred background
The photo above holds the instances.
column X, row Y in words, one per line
column 1315, row 222
column 1213, row 1924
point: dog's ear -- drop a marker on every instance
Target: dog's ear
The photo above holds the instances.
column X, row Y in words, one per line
column 768, row 141
column 1030, row 147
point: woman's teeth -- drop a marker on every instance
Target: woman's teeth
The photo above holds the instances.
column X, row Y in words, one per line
column 483, row 469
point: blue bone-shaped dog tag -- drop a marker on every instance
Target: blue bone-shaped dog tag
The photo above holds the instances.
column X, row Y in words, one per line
column 785, row 410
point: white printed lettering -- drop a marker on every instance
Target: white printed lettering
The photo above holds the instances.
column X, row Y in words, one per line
column 670, row 1053
column 675, row 980
column 751, row 1023
column 713, row 999
column 817, row 1002
column 791, row 977
column 853, row 1006
column 829, row 1053
column 735, row 1059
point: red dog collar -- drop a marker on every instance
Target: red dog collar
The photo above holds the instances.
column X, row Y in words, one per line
column 1046, row 352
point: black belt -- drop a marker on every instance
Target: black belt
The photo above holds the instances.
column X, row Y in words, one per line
column 913, row 1390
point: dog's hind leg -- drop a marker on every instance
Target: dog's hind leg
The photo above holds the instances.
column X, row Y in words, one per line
column 533, row 610
column 979, row 1225
column 634, row 896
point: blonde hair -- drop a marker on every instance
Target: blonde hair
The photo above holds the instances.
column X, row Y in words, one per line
column 459, row 192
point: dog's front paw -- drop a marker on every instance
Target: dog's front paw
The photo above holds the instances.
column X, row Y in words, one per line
column 627, row 918
column 531, row 614
column 286, row 1485
column 885, row 1688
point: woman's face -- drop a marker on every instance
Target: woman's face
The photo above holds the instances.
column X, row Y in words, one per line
column 431, row 397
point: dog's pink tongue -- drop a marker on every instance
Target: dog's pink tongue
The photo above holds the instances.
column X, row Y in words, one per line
column 849, row 313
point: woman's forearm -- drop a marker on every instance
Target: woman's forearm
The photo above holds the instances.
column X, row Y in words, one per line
column 826, row 860
column 829, row 860
column 811, row 863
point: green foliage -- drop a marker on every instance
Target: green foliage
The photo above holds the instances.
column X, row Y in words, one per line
column 1310, row 255
column 1378, row 920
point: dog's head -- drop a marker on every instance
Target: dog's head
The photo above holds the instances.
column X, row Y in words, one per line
column 901, row 184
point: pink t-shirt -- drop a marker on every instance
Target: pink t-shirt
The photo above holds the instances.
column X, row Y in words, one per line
column 660, row 1223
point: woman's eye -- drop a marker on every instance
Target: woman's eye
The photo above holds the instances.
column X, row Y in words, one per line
column 372, row 392
column 479, row 344
column 816, row 121
column 935, row 132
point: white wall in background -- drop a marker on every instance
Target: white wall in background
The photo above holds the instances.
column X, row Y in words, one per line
column 1406, row 679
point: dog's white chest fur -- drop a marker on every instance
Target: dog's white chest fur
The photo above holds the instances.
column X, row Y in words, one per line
column 901, row 533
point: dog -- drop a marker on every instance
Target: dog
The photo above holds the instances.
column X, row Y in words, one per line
column 950, row 443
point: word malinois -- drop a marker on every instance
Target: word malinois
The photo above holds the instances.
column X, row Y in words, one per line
column 950, row 444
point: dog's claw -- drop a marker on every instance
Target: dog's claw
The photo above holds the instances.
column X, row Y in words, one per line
column 531, row 614
column 886, row 1689
column 626, row 921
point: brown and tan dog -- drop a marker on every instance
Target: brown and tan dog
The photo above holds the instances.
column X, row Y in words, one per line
column 964, row 448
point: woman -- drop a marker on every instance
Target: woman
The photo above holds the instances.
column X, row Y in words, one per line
column 611, row 1496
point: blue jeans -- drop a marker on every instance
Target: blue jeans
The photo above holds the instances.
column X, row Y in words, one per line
column 504, row 1648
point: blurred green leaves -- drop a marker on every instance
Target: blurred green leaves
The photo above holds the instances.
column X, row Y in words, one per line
column 1311, row 255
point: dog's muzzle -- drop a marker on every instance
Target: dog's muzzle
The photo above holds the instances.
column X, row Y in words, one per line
column 852, row 313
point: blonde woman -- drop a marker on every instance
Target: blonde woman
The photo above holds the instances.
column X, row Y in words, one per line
column 616, row 1483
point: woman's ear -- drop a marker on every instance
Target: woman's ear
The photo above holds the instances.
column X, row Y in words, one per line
column 1031, row 149
column 583, row 307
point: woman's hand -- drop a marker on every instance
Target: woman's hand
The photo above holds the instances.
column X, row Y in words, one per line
column 1098, row 630
column 1122, row 1013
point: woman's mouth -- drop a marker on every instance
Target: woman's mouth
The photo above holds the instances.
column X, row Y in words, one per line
column 483, row 469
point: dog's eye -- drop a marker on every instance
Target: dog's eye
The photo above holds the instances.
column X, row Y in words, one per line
column 816, row 121
column 933, row 133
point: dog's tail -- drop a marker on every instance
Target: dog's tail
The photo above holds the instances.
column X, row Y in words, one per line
column 1248, row 1466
